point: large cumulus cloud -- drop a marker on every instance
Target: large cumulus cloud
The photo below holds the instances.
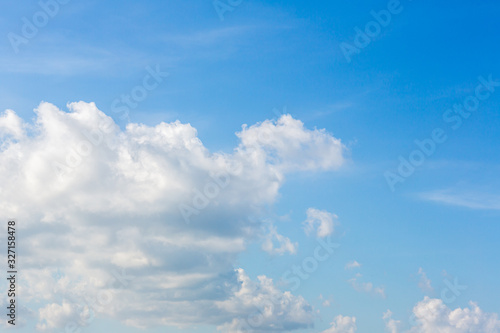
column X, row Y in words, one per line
column 144, row 225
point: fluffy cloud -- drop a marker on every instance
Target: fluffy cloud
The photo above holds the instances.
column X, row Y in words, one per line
column 144, row 225
column 259, row 307
column 289, row 146
column 11, row 125
column 319, row 221
column 342, row 324
column 434, row 316
column 54, row 315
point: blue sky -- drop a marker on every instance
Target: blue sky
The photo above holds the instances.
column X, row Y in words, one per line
column 265, row 59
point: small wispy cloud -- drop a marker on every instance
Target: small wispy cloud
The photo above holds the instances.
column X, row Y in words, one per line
column 325, row 302
column 352, row 265
column 366, row 287
column 274, row 243
column 468, row 199
column 424, row 283
column 208, row 37
column 78, row 58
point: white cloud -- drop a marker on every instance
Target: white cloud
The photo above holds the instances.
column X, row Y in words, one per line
column 391, row 325
column 352, row 265
column 433, row 315
column 425, row 283
column 11, row 125
column 319, row 221
column 260, row 306
column 284, row 244
column 326, row 302
column 55, row 316
column 93, row 201
column 342, row 324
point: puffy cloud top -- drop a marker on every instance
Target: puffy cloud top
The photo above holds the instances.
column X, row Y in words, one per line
column 290, row 146
column 342, row 324
column 433, row 315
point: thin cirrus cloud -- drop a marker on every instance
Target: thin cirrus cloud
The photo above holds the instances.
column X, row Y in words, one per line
column 464, row 198
column 82, row 58
column 434, row 315
column 99, row 208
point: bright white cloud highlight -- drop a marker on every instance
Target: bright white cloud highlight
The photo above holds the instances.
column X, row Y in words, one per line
column 289, row 146
column 260, row 306
column 54, row 316
column 274, row 243
column 433, row 315
column 320, row 222
column 467, row 198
